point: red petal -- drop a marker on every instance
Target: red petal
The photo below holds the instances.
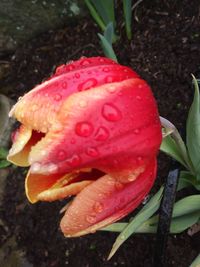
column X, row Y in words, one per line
column 39, row 107
column 116, row 129
column 105, row 201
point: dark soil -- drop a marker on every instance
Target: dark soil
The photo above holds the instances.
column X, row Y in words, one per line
column 165, row 50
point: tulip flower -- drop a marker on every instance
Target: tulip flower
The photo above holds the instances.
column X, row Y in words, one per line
column 92, row 131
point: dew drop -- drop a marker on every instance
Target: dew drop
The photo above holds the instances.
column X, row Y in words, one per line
column 57, row 97
column 111, row 113
column 92, row 152
column 109, row 79
column 139, row 158
column 119, row 186
column 90, row 218
column 138, row 97
column 57, row 127
column 111, row 89
column 35, row 167
column 85, row 62
column 84, row 129
column 102, row 134
column 74, row 161
column 64, row 85
column 98, row 207
column 83, row 103
column 77, row 75
column 34, row 107
column 87, row 84
column 70, row 67
column 136, row 131
column 101, row 60
column 51, row 167
column 105, row 69
column 61, row 155
column 73, row 141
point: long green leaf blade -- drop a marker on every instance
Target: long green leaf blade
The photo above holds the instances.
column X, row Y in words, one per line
column 128, row 17
column 107, row 48
column 193, row 130
column 186, row 205
column 147, row 211
column 95, row 15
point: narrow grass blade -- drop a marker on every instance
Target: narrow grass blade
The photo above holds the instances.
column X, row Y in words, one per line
column 147, row 211
column 95, row 15
column 128, row 17
column 193, row 130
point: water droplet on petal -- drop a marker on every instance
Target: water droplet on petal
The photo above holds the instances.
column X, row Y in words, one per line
column 98, row 207
column 35, row 167
column 101, row 60
column 91, row 218
column 34, row 107
column 92, row 82
column 105, row 69
column 77, row 75
column 139, row 158
column 57, row 127
column 83, row 103
column 111, row 113
column 73, row 141
column 102, row 134
column 50, row 168
column 111, row 89
column 138, row 97
column 74, row 161
column 92, row 151
column 119, row 186
column 61, row 155
column 57, row 97
column 85, row 62
column 84, row 129
column 136, row 131
column 64, row 85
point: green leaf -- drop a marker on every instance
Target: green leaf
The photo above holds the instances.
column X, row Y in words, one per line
column 128, row 17
column 109, row 33
column 146, row 212
column 196, row 262
column 186, row 179
column 193, row 130
column 107, row 48
column 170, row 147
column 102, row 11
column 186, row 205
column 181, row 223
column 3, row 153
column 95, row 15
column 4, row 163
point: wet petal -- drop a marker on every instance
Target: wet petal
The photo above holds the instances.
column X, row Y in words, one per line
column 63, row 192
column 113, row 131
column 24, row 139
column 39, row 107
column 105, row 201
